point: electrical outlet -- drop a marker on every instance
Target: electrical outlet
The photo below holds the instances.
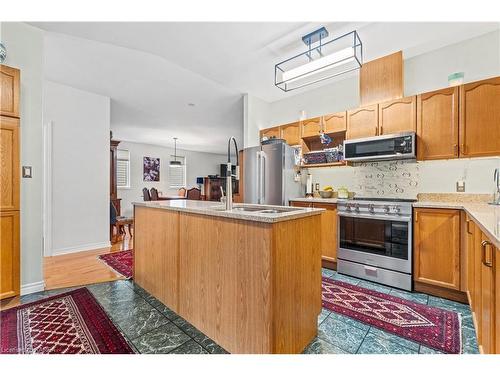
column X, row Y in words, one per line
column 460, row 186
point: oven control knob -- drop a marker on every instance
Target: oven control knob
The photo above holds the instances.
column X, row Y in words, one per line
column 371, row 208
column 396, row 209
column 356, row 208
column 386, row 209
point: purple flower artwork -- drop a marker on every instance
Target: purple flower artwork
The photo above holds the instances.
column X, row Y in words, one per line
column 151, row 169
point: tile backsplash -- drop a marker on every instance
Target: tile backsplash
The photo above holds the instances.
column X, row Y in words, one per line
column 397, row 179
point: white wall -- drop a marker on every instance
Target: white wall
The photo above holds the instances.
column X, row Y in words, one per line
column 198, row 164
column 80, row 168
column 256, row 116
column 24, row 46
column 478, row 58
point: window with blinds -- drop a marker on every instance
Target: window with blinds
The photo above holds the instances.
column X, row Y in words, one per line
column 177, row 173
column 123, row 169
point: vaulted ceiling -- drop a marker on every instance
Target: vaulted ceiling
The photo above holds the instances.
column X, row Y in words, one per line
column 153, row 71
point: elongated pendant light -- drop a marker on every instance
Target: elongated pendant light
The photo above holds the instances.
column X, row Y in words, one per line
column 175, row 162
column 321, row 61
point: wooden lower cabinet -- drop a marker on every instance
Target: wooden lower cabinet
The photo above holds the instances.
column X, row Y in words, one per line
column 483, row 288
column 437, row 247
column 9, row 254
column 328, row 231
column 329, row 228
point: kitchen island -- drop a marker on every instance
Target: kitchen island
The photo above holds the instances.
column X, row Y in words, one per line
column 249, row 278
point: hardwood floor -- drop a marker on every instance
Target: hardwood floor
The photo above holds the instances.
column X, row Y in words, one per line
column 82, row 268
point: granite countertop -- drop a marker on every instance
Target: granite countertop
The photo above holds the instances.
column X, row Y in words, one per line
column 217, row 209
column 485, row 215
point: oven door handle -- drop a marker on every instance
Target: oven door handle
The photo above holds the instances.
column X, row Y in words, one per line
column 405, row 219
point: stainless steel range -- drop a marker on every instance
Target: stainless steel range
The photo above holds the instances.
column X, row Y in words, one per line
column 375, row 240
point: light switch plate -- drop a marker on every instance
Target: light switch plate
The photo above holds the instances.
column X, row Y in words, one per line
column 27, row 172
column 460, row 186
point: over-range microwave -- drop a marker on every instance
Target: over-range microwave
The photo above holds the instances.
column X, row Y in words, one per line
column 383, row 147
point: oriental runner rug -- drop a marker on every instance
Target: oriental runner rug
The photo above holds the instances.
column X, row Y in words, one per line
column 68, row 323
column 430, row 326
column 120, row 261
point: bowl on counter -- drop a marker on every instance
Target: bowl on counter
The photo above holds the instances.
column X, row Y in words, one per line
column 326, row 194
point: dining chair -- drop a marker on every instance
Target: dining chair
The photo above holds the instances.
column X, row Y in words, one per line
column 181, row 192
column 145, row 194
column 194, row 194
column 154, row 194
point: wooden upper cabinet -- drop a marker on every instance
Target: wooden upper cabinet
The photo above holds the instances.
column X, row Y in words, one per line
column 9, row 254
column 335, row 122
column 9, row 91
column 480, row 118
column 291, row 133
column 270, row 132
column 328, row 231
column 437, row 247
column 9, row 163
column 437, row 124
column 311, row 127
column 362, row 122
column 397, row 116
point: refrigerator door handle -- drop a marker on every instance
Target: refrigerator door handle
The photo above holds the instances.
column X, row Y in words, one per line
column 263, row 177
column 257, row 154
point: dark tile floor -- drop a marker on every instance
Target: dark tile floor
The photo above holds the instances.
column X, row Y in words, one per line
column 151, row 327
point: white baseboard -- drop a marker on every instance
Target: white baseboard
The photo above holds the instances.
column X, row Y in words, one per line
column 32, row 287
column 75, row 249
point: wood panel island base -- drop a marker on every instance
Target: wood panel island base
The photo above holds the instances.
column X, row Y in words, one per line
column 250, row 281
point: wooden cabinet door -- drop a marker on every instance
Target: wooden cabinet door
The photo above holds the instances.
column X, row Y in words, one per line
column 437, row 247
column 9, row 254
column 9, row 91
column 497, row 301
column 311, row 127
column 291, row 133
column 480, row 118
column 437, row 124
column 397, row 116
column 469, row 243
column 300, row 204
column 335, row 122
column 270, row 132
column 328, row 231
column 476, row 298
column 362, row 122
column 487, row 296
column 9, row 163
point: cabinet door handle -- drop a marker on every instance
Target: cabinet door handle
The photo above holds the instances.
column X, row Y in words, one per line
column 483, row 254
column 376, row 130
column 468, row 227
column 381, row 130
column 455, row 149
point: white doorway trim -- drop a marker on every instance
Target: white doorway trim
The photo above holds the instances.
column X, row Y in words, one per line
column 47, row 188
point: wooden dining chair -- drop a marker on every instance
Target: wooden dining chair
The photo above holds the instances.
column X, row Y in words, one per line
column 194, row 194
column 145, row 194
column 154, row 194
column 181, row 192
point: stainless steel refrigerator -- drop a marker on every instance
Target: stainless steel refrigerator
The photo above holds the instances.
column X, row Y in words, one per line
column 269, row 174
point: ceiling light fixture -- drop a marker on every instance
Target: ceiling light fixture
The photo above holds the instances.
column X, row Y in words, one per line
column 321, row 61
column 175, row 162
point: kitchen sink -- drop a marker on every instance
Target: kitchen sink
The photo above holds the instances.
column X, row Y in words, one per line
column 259, row 210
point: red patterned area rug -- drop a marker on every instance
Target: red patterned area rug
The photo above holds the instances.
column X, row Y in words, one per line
column 430, row 326
column 69, row 323
column 120, row 261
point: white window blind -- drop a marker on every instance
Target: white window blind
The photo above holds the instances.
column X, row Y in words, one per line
column 177, row 174
column 123, row 169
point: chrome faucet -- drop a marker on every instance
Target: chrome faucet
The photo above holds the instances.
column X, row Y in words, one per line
column 229, row 174
column 496, row 192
